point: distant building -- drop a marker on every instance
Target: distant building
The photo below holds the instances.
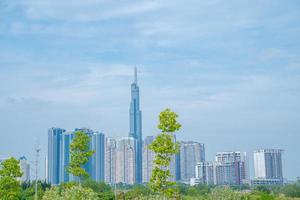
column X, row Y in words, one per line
column 54, row 156
column 148, row 158
column 110, row 160
column 240, row 162
column 66, row 140
column 191, row 153
column 205, row 173
column 98, row 145
column 125, row 167
column 25, row 168
column 268, row 166
column 58, row 159
column 227, row 173
column 135, row 123
column 230, row 168
column 175, row 166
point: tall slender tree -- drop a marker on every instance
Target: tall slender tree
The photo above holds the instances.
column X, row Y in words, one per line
column 164, row 147
column 80, row 155
column 10, row 172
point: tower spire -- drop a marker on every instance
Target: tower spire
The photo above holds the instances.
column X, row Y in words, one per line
column 135, row 75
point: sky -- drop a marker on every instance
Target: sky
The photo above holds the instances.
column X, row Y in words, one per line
column 230, row 69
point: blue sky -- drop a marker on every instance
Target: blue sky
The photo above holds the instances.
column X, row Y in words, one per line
column 231, row 69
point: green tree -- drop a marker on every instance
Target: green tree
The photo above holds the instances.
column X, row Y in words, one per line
column 292, row 190
column 164, row 148
column 80, row 155
column 10, row 187
column 103, row 190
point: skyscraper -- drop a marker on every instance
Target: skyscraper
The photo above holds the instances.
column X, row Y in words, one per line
column 135, row 121
column 191, row 153
column 125, row 167
column 54, row 157
column 98, row 145
column 268, row 166
column 110, row 160
column 58, row 159
column 67, row 138
column 148, row 158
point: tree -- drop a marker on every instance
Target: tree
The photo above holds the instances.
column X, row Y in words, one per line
column 80, row 155
column 103, row 190
column 292, row 190
column 10, row 186
column 164, row 148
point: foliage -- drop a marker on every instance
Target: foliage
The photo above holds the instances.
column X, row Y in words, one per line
column 224, row 194
column 292, row 190
column 10, row 171
column 164, row 147
column 138, row 191
column 28, row 189
column 103, row 191
column 80, row 154
column 72, row 193
column 52, row 194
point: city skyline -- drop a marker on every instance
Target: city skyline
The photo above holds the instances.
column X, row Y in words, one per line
column 234, row 80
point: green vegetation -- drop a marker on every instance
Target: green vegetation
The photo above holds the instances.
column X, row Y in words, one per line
column 80, row 155
column 28, row 190
column 9, row 184
column 164, row 148
column 159, row 187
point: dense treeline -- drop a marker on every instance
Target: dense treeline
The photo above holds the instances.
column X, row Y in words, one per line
column 12, row 189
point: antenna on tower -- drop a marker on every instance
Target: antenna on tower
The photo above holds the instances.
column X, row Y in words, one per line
column 37, row 152
column 135, row 75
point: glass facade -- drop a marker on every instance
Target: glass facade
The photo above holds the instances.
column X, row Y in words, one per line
column 135, row 121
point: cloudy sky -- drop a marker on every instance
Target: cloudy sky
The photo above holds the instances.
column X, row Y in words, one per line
column 231, row 69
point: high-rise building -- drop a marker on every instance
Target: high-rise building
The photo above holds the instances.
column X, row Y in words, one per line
column 89, row 165
column 98, row 145
column 148, row 158
column 227, row 173
column 25, row 168
column 239, row 161
column 54, row 157
column 135, row 121
column 125, row 167
column 230, row 168
column 58, row 159
column 205, row 172
column 191, row 153
column 67, row 138
column 268, row 166
column 110, row 160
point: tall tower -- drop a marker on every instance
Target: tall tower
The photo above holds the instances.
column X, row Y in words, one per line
column 135, row 122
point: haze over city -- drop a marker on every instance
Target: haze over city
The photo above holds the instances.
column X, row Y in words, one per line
column 230, row 70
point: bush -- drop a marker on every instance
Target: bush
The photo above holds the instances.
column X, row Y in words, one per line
column 72, row 193
column 291, row 190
